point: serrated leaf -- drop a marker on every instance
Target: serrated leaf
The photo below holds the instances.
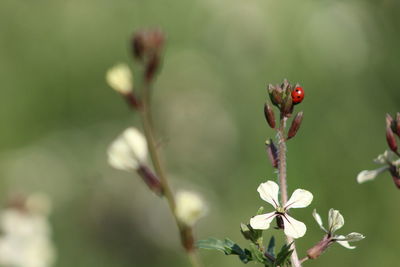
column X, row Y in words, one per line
column 227, row 246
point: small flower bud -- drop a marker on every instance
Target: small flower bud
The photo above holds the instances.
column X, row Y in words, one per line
column 272, row 152
column 146, row 44
column 275, row 95
column 389, row 120
column 287, row 107
column 398, row 124
column 296, row 123
column 190, row 207
column 391, row 139
column 150, row 179
column 120, row 79
column 269, row 115
column 319, row 248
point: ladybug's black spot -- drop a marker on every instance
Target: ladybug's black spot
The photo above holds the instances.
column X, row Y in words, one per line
column 298, row 97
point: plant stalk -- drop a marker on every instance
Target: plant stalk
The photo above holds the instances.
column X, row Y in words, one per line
column 186, row 232
column 283, row 182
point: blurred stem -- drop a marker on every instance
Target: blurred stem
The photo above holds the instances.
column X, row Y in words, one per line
column 283, row 182
column 186, row 232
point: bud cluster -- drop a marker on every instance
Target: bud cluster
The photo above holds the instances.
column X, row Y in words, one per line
column 284, row 97
column 147, row 46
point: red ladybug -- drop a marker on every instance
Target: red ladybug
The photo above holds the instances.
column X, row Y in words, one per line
column 297, row 95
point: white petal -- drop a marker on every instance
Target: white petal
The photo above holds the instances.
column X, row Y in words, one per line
column 346, row 244
column 128, row 150
column 385, row 157
column 269, row 192
column 335, row 220
column 300, row 199
column 119, row 78
column 293, row 228
column 352, row 237
column 366, row 175
column 262, row 222
column 318, row 220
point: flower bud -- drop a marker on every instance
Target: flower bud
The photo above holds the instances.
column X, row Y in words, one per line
column 389, row 120
column 272, row 152
column 275, row 95
column 146, row 44
column 150, row 179
column 295, row 125
column 398, row 124
column 120, row 79
column 269, row 115
column 391, row 139
column 287, row 106
column 319, row 248
column 190, row 207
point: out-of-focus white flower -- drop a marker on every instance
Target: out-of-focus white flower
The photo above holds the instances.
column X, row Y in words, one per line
column 300, row 199
column 369, row 175
column 190, row 207
column 335, row 222
column 119, row 78
column 128, row 151
column 385, row 158
column 25, row 239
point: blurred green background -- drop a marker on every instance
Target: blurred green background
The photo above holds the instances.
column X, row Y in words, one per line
column 58, row 116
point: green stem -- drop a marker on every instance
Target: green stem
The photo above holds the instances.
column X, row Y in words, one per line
column 283, row 182
column 186, row 232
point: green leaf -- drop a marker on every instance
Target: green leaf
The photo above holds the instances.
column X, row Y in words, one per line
column 227, row 246
column 283, row 255
column 251, row 234
column 271, row 246
column 257, row 254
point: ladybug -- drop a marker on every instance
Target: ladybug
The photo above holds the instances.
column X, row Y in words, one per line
column 297, row 95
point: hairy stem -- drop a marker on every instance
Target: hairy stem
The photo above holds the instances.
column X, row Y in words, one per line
column 283, row 182
column 186, row 232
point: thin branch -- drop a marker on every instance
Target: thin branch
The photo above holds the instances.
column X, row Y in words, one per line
column 186, row 232
column 283, row 182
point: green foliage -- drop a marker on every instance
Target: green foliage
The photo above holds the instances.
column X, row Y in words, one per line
column 255, row 252
column 283, row 256
column 226, row 246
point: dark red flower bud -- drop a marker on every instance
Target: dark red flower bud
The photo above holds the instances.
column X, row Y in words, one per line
column 391, row 139
column 269, row 115
column 398, row 124
column 296, row 123
column 272, row 152
column 146, row 44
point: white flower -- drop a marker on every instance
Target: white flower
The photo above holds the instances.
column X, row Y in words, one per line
column 120, row 79
column 369, row 175
column 25, row 239
column 335, row 222
column 190, row 207
column 300, row 199
column 128, row 151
